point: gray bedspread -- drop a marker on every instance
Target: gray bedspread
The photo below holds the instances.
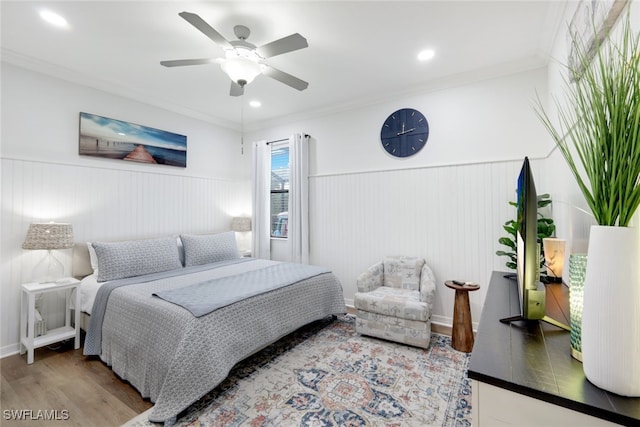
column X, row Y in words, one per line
column 174, row 358
column 203, row 298
column 93, row 340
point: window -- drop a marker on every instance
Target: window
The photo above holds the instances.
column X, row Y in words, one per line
column 279, row 190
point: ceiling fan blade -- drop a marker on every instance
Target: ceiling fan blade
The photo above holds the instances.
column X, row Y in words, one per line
column 206, row 29
column 285, row 78
column 236, row 89
column 182, row 62
column 283, row 45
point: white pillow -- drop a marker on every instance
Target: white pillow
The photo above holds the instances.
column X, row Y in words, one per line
column 93, row 259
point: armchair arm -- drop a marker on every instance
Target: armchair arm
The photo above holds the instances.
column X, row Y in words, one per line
column 427, row 285
column 372, row 278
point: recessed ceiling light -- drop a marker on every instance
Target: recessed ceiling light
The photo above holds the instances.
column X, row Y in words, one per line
column 54, row 19
column 426, row 54
column 255, row 103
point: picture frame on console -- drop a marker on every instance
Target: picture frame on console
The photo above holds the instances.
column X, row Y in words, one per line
column 589, row 26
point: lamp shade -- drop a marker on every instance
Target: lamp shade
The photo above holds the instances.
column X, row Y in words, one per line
column 554, row 257
column 49, row 235
column 241, row 224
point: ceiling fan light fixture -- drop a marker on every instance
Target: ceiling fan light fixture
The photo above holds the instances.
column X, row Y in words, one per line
column 243, row 60
column 241, row 69
column 241, row 65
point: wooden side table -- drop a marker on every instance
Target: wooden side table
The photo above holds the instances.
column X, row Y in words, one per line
column 28, row 341
column 462, row 332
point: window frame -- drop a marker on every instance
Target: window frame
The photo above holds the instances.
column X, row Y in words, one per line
column 276, row 146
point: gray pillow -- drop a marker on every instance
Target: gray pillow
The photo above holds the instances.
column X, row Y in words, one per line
column 119, row 260
column 208, row 248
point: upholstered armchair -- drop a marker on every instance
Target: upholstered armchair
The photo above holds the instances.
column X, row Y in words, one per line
column 395, row 299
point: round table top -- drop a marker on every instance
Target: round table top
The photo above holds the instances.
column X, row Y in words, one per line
column 468, row 286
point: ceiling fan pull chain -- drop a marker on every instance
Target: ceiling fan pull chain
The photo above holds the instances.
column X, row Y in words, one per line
column 242, row 125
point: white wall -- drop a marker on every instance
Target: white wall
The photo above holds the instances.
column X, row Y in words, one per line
column 44, row 178
column 447, row 203
column 484, row 121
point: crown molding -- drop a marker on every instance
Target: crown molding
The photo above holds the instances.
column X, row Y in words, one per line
column 110, row 87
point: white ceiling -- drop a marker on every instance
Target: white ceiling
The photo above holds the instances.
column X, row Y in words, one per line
column 359, row 51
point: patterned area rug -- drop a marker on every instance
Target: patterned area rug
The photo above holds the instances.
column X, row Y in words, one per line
column 327, row 375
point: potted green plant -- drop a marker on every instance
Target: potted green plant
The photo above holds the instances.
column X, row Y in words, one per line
column 546, row 228
column 598, row 134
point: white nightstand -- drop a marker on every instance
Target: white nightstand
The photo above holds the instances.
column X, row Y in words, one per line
column 28, row 340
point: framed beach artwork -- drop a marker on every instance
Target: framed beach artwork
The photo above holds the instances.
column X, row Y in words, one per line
column 115, row 139
column 589, row 27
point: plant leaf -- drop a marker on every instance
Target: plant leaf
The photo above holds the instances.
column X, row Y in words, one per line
column 598, row 131
column 507, row 242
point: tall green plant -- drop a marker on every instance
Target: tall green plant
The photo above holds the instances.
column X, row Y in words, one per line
column 599, row 127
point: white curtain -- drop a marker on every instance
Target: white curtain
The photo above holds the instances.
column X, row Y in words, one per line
column 261, row 194
column 299, row 198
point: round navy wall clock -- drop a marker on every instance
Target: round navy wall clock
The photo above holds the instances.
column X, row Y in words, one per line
column 404, row 132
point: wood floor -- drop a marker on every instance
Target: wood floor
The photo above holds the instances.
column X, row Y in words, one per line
column 64, row 380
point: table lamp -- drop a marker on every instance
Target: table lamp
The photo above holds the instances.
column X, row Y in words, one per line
column 554, row 258
column 48, row 236
column 242, row 225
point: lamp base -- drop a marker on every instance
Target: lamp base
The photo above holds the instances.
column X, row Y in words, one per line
column 550, row 279
column 49, row 269
column 576, row 354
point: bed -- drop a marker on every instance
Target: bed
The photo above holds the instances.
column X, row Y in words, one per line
column 176, row 330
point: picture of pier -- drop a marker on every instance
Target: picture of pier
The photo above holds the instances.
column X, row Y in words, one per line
column 115, row 139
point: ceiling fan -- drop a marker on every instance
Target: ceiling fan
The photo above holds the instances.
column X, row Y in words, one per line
column 243, row 61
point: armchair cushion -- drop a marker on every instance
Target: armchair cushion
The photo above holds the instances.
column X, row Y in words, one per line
column 403, row 272
column 394, row 302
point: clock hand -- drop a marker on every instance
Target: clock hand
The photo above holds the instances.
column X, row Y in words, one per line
column 406, row 131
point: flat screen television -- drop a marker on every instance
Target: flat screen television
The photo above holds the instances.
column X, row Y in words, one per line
column 531, row 291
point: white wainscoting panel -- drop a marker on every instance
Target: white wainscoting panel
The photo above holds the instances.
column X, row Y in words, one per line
column 101, row 204
column 452, row 216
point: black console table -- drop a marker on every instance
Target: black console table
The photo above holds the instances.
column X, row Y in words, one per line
column 529, row 363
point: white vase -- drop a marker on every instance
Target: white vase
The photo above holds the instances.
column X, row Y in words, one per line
column 611, row 311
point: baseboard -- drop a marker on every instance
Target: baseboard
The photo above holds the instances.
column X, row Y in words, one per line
column 9, row 350
column 440, row 329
